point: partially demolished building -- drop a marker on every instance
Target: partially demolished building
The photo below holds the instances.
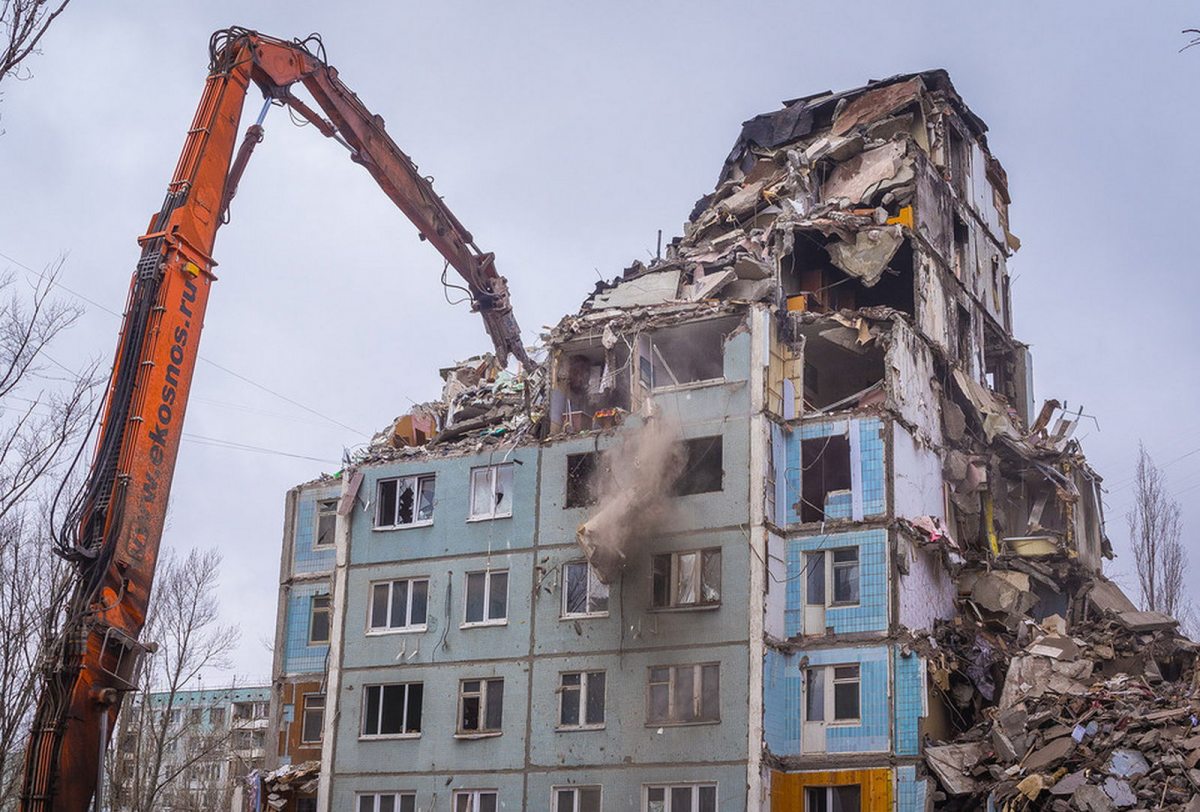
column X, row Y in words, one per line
column 759, row 533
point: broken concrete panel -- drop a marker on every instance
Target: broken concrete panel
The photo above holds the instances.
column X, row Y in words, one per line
column 1090, row 798
column 997, row 592
column 708, row 286
column 1120, row 792
column 858, row 179
column 1106, row 596
column 1146, row 621
column 868, row 256
column 876, row 104
column 1126, row 763
column 1048, row 756
column 951, row 763
column 748, row 291
column 1069, row 783
column 752, row 268
column 648, row 289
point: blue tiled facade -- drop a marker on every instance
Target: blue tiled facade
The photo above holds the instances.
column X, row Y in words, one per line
column 867, row 496
column 870, row 614
column 299, row 656
column 909, row 687
column 307, row 557
column 910, row 790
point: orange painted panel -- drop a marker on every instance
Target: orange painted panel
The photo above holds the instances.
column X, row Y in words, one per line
column 787, row 789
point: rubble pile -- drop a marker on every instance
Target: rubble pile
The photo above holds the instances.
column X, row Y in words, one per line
column 284, row 785
column 1103, row 714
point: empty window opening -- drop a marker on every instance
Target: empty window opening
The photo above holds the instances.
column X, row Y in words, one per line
column 581, row 699
column 480, row 706
column 811, row 282
column 399, row 605
column 956, row 149
column 825, row 479
column 832, row 694
column 591, row 380
column 703, row 470
column 491, row 491
column 475, row 800
column 576, row 799
column 687, row 579
column 966, row 338
column 326, row 522
column 584, row 594
column 386, row 802
column 313, row 718
column 320, row 608
column 846, row 798
column 962, row 248
column 684, row 694
column 404, row 501
column 839, row 373
column 392, row 710
column 487, row 597
column 689, row 353
column 681, row 798
column 999, row 363
column 582, row 481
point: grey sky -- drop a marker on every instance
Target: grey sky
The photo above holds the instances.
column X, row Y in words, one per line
column 564, row 135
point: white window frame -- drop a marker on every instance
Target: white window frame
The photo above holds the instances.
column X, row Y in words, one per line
column 362, row 725
column 312, row 614
column 304, row 711
column 474, row 796
column 377, row 796
column 487, row 599
column 830, row 680
column 324, row 508
column 419, row 482
column 674, row 585
column 695, row 787
column 584, row 689
column 829, row 790
column 829, row 564
column 576, row 790
column 594, row 585
column 673, row 700
column 482, row 693
column 503, row 510
column 391, row 585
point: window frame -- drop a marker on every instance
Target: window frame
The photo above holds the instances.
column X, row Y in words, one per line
column 313, row 611
column 487, row 599
column 483, row 730
column 697, row 701
column 410, row 628
column 829, row 563
column 576, row 790
column 404, row 733
column 584, row 690
column 399, row 797
column 592, row 580
column 829, row 683
column 420, row 481
column 828, row 790
column 492, row 471
column 696, row 449
column 304, row 716
column 474, row 795
column 583, row 484
column 324, row 509
column 673, row 572
column 695, row 786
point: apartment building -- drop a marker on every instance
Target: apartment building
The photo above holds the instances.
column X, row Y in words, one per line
column 694, row 559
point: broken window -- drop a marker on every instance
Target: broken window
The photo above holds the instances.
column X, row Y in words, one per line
column 581, row 699
column 846, row 798
column 475, row 800
column 684, row 694
column 399, row 605
column 832, row 693
column 957, row 160
column 480, row 706
column 312, row 718
column 319, row 619
column 581, row 479
column 404, row 501
column 576, row 799
column 703, row 470
column 962, row 249
column 825, row 479
column 491, row 491
column 392, row 710
column 688, row 353
column 584, row 594
column 839, row 372
column 386, row 802
column 966, row 342
column 326, row 521
column 999, row 364
column 681, row 798
column 487, row 597
column 831, row 577
column 590, row 381
column 687, row 579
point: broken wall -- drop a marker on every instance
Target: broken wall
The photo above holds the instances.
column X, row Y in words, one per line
column 847, row 455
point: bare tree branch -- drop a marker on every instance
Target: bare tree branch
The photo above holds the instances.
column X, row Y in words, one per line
column 23, row 23
column 1155, row 529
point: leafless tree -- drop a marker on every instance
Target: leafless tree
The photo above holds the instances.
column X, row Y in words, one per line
column 1154, row 532
column 157, row 745
column 45, row 411
column 23, row 23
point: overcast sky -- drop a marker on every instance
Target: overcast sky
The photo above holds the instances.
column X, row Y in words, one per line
column 564, row 135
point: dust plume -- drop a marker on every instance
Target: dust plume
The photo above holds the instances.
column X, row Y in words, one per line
column 635, row 496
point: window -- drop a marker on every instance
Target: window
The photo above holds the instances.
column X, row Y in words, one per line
column 392, row 710
column 703, row 470
column 196, row 716
column 319, row 619
column 387, row 802
column 399, row 605
column 831, row 577
column 405, row 501
column 312, row 718
column 684, row 694
column 216, row 717
column 833, row 799
column 687, row 579
column 689, row 353
column 825, row 479
column 681, row 798
column 832, row 693
column 475, row 800
column 491, row 491
column 326, row 521
column 584, row 594
column 576, row 799
column 480, row 706
column 310, row 805
column 581, row 699
column 581, row 479
column 487, row 597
